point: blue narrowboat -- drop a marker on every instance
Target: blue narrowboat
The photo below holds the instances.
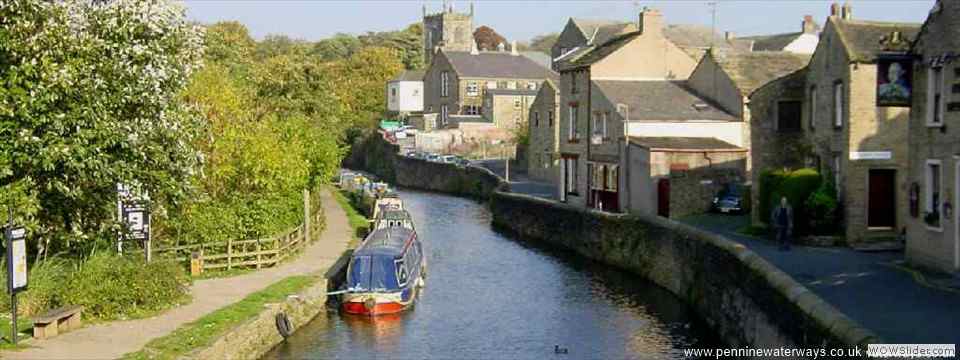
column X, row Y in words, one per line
column 386, row 270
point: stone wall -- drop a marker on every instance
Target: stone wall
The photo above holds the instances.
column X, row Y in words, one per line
column 257, row 336
column 745, row 299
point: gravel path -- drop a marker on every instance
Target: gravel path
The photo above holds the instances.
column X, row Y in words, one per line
column 113, row 339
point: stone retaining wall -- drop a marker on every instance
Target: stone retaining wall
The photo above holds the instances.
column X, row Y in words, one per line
column 255, row 337
column 748, row 301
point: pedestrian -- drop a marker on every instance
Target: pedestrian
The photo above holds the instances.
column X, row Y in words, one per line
column 782, row 220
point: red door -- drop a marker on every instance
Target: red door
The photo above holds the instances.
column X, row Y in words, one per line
column 663, row 198
column 882, row 202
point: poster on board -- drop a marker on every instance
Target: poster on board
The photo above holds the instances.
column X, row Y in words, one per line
column 16, row 260
column 894, row 81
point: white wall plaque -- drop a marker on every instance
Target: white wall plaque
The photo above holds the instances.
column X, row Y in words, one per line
column 871, row 155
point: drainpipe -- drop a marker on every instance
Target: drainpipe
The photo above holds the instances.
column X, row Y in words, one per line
column 589, row 86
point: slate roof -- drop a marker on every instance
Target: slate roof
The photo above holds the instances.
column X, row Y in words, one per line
column 862, row 39
column 538, row 57
column 604, row 29
column 410, row 75
column 751, row 71
column 684, row 143
column 774, row 42
column 661, row 100
column 500, row 65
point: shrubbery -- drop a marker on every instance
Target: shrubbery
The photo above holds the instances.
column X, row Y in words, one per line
column 796, row 186
column 108, row 286
column 822, row 209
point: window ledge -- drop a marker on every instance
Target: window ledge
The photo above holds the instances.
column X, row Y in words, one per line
column 935, row 229
column 934, row 125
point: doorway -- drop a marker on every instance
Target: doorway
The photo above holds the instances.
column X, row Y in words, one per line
column 956, row 223
column 663, row 198
column 881, row 201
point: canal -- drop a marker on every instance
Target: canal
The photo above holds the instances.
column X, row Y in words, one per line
column 489, row 296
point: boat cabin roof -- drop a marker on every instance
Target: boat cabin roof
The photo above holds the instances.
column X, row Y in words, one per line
column 386, row 241
column 394, row 214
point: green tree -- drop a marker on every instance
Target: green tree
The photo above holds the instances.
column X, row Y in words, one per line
column 88, row 99
column 543, row 43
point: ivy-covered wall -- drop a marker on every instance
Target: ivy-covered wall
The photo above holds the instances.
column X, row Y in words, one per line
column 745, row 299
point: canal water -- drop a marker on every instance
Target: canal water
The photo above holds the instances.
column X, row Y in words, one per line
column 488, row 296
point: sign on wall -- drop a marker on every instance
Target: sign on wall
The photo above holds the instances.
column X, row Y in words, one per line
column 871, row 155
column 894, row 81
column 16, row 260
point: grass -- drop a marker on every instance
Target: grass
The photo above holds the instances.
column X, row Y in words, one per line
column 358, row 222
column 24, row 326
column 207, row 329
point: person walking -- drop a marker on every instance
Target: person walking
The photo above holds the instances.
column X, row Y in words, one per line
column 782, row 220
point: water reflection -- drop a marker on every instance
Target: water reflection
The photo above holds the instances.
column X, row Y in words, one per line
column 491, row 297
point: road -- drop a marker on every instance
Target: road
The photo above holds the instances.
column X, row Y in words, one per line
column 519, row 181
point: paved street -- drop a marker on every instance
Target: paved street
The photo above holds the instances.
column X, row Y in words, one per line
column 865, row 286
column 519, row 182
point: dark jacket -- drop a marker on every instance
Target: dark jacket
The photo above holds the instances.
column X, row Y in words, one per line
column 773, row 217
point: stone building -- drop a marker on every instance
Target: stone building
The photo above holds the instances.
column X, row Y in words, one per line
column 677, row 176
column 456, row 82
column 544, row 152
column 446, row 30
column 506, row 108
column 862, row 146
column 644, row 54
column 803, row 42
column 580, row 34
column 933, row 234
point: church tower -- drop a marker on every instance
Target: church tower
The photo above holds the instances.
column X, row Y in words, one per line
column 447, row 30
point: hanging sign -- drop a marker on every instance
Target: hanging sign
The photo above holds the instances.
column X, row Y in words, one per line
column 134, row 215
column 894, row 80
column 16, row 260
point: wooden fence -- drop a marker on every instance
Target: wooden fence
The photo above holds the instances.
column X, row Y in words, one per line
column 253, row 253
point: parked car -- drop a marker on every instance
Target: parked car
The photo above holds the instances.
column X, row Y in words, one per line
column 431, row 157
column 449, row 159
column 729, row 200
column 462, row 162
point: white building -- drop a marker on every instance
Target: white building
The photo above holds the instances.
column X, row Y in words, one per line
column 405, row 93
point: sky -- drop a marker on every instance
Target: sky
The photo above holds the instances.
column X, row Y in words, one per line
column 523, row 19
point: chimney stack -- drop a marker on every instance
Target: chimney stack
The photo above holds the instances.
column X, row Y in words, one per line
column 847, row 11
column 474, row 50
column 729, row 35
column 513, row 48
column 809, row 26
column 835, row 10
column 650, row 22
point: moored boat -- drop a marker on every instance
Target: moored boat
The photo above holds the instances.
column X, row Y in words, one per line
column 386, row 270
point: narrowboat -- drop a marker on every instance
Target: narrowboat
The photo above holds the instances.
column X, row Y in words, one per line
column 391, row 218
column 385, row 272
column 389, row 201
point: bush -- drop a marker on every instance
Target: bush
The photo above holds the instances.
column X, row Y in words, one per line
column 796, row 186
column 822, row 210
column 108, row 286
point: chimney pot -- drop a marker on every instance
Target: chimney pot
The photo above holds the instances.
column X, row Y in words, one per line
column 847, row 11
column 729, row 35
column 835, row 9
column 650, row 22
column 809, row 26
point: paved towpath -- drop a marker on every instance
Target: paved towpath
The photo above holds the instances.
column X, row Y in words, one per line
column 113, row 339
column 868, row 287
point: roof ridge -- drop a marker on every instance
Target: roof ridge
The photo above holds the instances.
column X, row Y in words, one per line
column 879, row 22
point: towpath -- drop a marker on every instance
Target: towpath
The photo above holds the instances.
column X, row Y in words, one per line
column 869, row 287
column 114, row 339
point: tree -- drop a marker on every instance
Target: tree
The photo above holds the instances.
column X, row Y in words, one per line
column 359, row 86
column 338, row 47
column 489, row 40
column 228, row 42
column 88, row 99
column 544, row 43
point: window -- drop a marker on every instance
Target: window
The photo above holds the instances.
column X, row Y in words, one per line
column 471, row 110
column 570, row 175
column 550, row 119
column 597, row 128
column 612, row 178
column 531, row 85
column 623, row 110
column 935, row 97
column 931, row 196
column 573, row 133
column 473, row 88
column 836, row 173
column 573, row 82
column 788, row 116
column 444, row 114
column 491, row 84
column 838, row 105
column 516, row 120
column 393, row 92
column 536, row 119
column 517, row 103
column 548, row 160
column 606, row 120
column 445, row 83
column 813, row 108
column 512, row 85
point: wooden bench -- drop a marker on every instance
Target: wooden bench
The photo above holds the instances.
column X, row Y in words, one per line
column 56, row 321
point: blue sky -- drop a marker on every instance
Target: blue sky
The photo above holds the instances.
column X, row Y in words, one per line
column 523, row 19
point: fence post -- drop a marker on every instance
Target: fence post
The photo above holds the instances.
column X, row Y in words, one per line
column 306, row 214
column 229, row 254
column 258, row 253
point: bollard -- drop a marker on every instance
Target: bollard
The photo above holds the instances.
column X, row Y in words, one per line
column 196, row 263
